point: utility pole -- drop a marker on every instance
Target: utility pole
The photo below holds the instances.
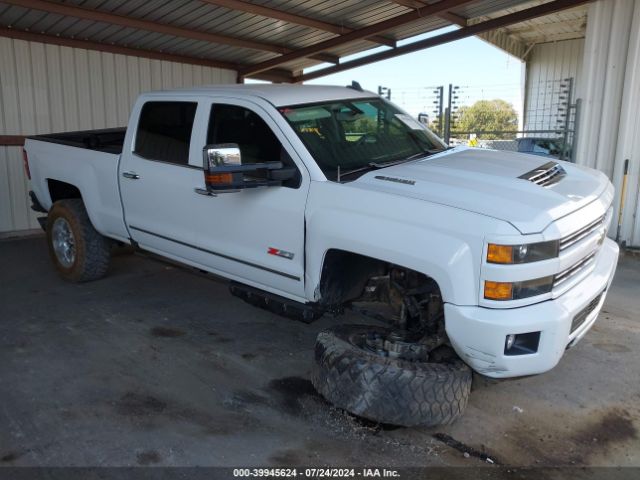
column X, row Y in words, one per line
column 566, row 100
column 384, row 92
column 438, row 111
column 452, row 104
column 447, row 116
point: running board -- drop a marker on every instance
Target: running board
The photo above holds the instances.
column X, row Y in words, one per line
column 302, row 312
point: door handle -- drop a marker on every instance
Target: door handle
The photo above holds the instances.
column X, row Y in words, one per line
column 131, row 175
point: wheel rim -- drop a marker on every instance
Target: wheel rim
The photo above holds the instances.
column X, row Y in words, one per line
column 391, row 344
column 64, row 243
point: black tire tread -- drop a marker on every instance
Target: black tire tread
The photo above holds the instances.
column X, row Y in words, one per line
column 93, row 251
column 388, row 390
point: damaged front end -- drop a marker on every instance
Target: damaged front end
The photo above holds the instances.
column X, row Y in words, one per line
column 412, row 305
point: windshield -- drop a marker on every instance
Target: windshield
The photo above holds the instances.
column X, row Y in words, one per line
column 352, row 136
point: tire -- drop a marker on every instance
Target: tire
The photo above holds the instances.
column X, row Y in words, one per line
column 387, row 390
column 88, row 257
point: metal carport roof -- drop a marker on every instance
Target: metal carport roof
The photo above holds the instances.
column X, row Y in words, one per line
column 269, row 39
column 518, row 39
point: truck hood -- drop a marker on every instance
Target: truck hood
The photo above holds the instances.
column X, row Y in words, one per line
column 487, row 182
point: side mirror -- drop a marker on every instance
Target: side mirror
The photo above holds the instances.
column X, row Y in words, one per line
column 225, row 173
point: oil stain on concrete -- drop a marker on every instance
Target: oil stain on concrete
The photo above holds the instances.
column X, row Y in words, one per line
column 166, row 332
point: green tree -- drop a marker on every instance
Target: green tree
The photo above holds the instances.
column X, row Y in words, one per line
column 487, row 116
column 363, row 125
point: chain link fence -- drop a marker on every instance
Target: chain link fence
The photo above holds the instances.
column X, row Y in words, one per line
column 489, row 117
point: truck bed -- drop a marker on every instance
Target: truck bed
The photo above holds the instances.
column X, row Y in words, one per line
column 88, row 161
column 108, row 140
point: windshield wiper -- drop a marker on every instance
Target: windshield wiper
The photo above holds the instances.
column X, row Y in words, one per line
column 423, row 153
column 368, row 167
column 376, row 166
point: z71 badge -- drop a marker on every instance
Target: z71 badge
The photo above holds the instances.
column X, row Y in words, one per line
column 280, row 253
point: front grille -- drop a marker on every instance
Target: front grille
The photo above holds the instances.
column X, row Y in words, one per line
column 582, row 315
column 584, row 232
column 573, row 270
column 546, row 175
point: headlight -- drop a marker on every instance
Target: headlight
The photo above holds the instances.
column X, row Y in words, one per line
column 517, row 290
column 533, row 252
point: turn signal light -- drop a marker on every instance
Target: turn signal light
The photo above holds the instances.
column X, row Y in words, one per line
column 500, row 253
column 498, row 290
column 222, row 178
column 517, row 290
column 526, row 253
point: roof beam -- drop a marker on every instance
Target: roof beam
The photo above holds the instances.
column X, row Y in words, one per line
column 448, row 16
column 273, row 75
column 375, row 29
column 271, row 12
column 455, row 19
column 11, row 140
column 112, row 18
column 107, row 47
column 509, row 43
column 475, row 29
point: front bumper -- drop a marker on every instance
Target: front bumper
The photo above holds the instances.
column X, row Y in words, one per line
column 478, row 334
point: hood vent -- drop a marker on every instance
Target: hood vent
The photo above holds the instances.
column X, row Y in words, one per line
column 545, row 175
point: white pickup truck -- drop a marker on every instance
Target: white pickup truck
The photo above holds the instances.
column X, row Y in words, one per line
column 311, row 199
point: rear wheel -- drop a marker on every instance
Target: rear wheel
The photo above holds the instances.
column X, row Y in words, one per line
column 372, row 372
column 78, row 251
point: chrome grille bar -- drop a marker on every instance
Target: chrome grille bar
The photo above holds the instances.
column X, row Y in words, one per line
column 572, row 271
column 584, row 232
column 582, row 315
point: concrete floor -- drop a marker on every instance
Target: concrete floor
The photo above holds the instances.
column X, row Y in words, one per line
column 155, row 365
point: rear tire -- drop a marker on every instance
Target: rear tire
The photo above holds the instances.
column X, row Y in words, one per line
column 78, row 251
column 385, row 389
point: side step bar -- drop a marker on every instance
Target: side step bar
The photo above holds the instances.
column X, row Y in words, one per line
column 306, row 313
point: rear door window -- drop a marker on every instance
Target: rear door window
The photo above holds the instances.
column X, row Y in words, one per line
column 164, row 131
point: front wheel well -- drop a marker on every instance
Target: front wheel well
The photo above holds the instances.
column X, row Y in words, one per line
column 407, row 299
column 345, row 275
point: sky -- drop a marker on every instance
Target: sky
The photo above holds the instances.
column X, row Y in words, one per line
column 481, row 70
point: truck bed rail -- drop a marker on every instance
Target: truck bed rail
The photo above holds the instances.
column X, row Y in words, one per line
column 108, row 140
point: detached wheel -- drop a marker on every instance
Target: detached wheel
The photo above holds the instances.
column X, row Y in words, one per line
column 354, row 372
column 78, row 251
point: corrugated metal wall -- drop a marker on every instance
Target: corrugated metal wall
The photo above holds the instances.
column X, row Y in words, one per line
column 547, row 64
column 47, row 88
column 606, row 68
column 610, row 120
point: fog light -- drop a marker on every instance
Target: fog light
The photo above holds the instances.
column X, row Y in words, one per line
column 522, row 343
